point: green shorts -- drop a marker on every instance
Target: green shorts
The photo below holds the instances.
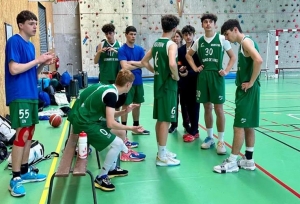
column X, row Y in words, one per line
column 23, row 113
column 247, row 107
column 98, row 134
column 164, row 109
column 210, row 87
column 135, row 95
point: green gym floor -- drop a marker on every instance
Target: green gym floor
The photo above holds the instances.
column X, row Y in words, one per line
column 277, row 153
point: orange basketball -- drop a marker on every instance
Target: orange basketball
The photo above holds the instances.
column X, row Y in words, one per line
column 55, row 120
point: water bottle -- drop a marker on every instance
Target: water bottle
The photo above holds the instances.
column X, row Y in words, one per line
column 82, row 145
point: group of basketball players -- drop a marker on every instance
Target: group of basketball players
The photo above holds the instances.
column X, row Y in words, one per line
column 97, row 109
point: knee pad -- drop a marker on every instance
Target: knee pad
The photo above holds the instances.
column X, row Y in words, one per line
column 31, row 132
column 19, row 141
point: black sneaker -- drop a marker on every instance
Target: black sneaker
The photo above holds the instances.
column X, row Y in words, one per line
column 117, row 172
column 103, row 183
column 172, row 129
column 145, row 132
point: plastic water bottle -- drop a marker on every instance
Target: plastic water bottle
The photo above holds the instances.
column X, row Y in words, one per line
column 82, row 145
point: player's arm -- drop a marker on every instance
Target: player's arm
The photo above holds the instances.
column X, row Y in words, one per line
column 250, row 50
column 100, row 50
column 126, row 65
column 172, row 51
column 146, row 61
column 44, row 59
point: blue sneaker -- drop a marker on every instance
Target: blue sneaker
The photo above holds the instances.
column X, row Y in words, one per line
column 16, row 188
column 32, row 176
column 131, row 144
column 132, row 156
column 208, row 143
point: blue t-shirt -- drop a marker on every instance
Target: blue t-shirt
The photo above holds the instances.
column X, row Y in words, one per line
column 23, row 85
column 132, row 54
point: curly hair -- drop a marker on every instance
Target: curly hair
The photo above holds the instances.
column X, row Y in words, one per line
column 168, row 22
column 108, row 28
column 25, row 16
column 230, row 24
column 188, row 29
column 209, row 16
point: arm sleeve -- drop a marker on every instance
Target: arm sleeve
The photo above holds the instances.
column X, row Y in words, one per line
column 110, row 99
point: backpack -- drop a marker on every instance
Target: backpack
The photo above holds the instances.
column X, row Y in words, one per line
column 7, row 134
column 43, row 96
column 65, row 78
column 3, row 152
column 50, row 91
column 36, row 154
column 56, row 75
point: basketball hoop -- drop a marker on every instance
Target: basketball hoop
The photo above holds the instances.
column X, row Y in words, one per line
column 70, row 5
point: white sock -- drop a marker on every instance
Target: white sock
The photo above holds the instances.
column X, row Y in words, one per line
column 232, row 157
column 210, row 132
column 162, row 151
column 221, row 136
column 250, row 149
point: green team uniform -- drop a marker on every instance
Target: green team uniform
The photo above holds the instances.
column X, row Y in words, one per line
column 90, row 117
column 135, row 95
column 165, row 87
column 23, row 113
column 247, row 103
column 109, row 65
column 210, row 84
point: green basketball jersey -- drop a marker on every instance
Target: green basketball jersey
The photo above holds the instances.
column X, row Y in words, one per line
column 109, row 65
column 211, row 53
column 93, row 109
column 162, row 76
column 244, row 66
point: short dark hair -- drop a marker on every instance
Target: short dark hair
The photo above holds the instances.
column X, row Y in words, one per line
column 130, row 29
column 209, row 16
column 188, row 29
column 230, row 24
column 25, row 16
column 168, row 22
column 108, row 28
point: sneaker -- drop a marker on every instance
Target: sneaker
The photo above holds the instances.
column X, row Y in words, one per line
column 221, row 148
column 171, row 154
column 190, row 138
column 208, row 143
column 227, row 167
column 104, row 183
column 32, row 176
column 185, row 135
column 131, row 144
column 117, row 172
column 145, row 132
column 246, row 164
column 167, row 161
column 132, row 156
column 16, row 188
column 172, row 129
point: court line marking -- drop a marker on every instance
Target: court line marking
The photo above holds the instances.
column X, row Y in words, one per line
column 44, row 195
column 293, row 116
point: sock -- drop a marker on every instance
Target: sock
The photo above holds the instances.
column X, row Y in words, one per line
column 16, row 174
column 232, row 157
column 162, row 151
column 210, row 132
column 249, row 152
column 221, row 136
column 124, row 123
column 136, row 123
column 24, row 168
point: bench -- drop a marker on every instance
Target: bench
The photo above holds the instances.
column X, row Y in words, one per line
column 283, row 68
column 65, row 166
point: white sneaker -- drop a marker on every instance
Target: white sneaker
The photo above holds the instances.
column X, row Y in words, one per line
column 246, row 164
column 221, row 148
column 208, row 143
column 226, row 167
column 171, row 154
column 167, row 161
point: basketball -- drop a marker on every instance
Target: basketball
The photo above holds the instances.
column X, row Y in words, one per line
column 55, row 120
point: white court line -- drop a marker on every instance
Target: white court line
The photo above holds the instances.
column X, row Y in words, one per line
column 293, row 116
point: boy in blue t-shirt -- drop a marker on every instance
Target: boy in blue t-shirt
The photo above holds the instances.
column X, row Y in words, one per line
column 21, row 69
column 130, row 56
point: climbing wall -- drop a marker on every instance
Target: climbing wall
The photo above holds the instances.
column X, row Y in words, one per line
column 257, row 18
column 93, row 15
